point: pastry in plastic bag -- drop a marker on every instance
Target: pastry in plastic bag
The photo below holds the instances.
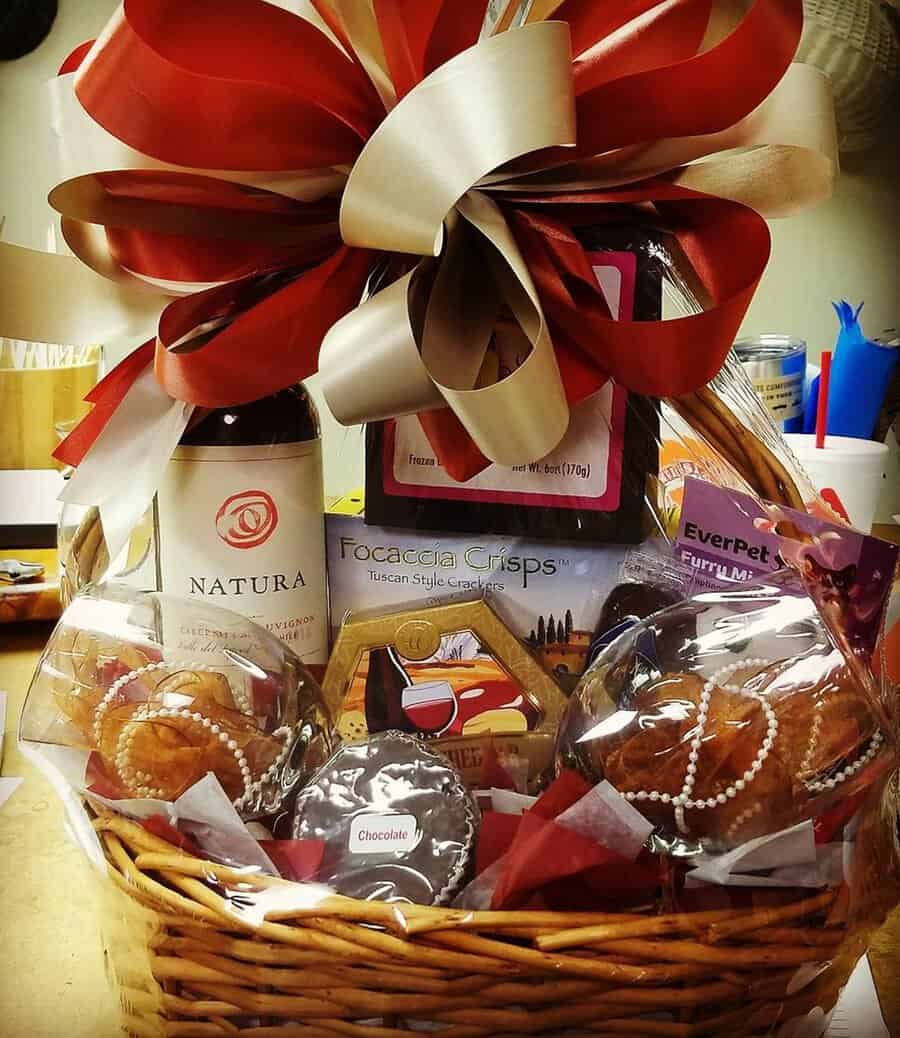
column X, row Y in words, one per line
column 752, row 726
column 162, row 691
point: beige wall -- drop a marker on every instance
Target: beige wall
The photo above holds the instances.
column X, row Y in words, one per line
column 848, row 247
column 25, row 214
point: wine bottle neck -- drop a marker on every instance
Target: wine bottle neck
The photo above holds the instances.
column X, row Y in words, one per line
column 287, row 416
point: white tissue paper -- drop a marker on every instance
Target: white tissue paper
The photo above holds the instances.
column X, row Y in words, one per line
column 789, row 858
column 204, row 813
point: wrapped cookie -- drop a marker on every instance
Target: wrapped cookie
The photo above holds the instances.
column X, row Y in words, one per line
column 396, row 820
column 158, row 692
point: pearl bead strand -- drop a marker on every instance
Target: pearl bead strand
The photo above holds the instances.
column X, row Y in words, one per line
column 240, row 698
column 270, row 774
column 826, row 785
column 113, row 691
column 814, row 733
column 744, row 817
column 138, row 782
column 683, row 801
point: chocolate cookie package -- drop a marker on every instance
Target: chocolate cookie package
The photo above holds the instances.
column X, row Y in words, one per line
column 396, row 819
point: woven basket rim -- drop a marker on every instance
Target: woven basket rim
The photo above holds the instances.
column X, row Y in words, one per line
column 483, row 974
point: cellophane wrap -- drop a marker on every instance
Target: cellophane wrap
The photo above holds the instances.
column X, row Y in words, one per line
column 712, row 856
column 735, row 724
column 144, row 695
column 722, row 432
column 745, row 916
column 84, row 555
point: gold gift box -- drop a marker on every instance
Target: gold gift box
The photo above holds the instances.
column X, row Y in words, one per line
column 521, row 728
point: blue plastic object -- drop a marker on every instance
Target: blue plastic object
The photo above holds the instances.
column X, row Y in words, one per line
column 812, row 406
column 860, row 373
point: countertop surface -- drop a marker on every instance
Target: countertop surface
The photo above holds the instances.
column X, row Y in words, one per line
column 52, row 983
column 51, row 962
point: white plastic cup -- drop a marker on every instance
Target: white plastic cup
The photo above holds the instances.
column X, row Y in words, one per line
column 854, row 469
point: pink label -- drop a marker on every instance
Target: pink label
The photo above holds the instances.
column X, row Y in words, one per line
column 583, row 472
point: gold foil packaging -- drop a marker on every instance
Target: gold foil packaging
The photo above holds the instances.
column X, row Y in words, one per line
column 452, row 674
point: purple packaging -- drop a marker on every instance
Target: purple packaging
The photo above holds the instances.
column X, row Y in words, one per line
column 728, row 538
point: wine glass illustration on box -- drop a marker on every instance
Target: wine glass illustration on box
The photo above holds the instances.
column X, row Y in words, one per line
column 460, row 690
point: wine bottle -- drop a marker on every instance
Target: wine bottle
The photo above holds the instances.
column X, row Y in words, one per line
column 385, row 682
column 239, row 518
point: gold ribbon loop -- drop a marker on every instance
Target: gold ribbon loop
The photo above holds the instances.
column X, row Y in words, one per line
column 794, row 162
column 78, row 146
column 462, row 310
column 357, row 18
column 510, row 96
column 387, row 377
column 516, row 417
column 792, row 134
column 523, row 416
column 51, row 298
column 507, row 97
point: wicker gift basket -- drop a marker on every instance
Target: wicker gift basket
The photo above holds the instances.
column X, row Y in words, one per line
column 335, row 968
column 198, row 752
column 855, row 43
column 203, row 940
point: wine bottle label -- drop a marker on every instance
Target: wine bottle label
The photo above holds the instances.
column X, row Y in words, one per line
column 242, row 528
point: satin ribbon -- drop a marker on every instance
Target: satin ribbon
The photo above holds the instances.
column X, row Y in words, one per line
column 432, row 161
column 407, row 211
column 203, row 159
column 162, row 420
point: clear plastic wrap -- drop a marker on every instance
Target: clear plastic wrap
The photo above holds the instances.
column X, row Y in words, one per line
column 84, row 555
column 723, row 432
column 156, row 692
column 396, row 819
column 769, row 776
column 618, row 476
column 712, row 857
column 651, row 578
column 746, row 722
